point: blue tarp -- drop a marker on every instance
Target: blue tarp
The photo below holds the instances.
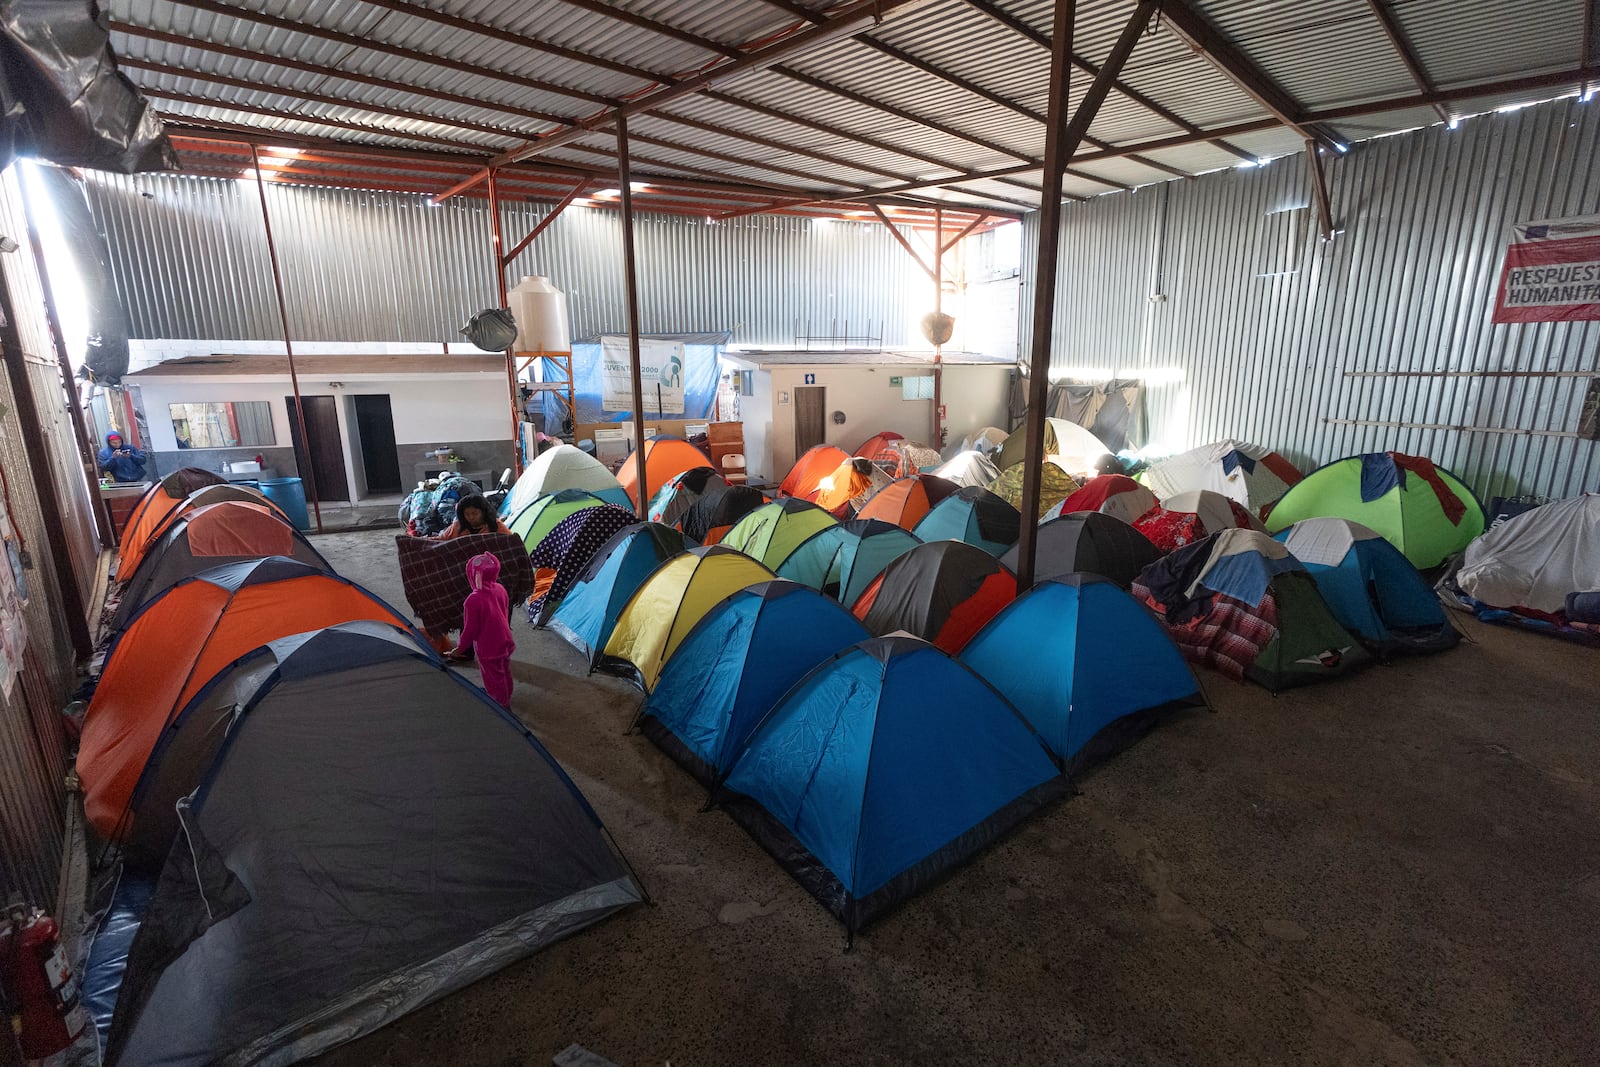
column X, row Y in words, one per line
column 702, row 368
column 1075, row 655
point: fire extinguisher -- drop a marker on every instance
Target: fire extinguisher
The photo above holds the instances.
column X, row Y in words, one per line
column 37, row 987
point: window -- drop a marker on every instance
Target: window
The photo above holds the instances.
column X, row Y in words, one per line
column 1283, row 242
column 916, row 387
column 245, row 424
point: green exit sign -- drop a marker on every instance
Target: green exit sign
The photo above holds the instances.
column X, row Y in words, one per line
column 894, row 382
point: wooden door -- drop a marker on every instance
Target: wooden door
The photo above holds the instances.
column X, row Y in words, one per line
column 810, row 429
column 323, row 472
column 375, row 430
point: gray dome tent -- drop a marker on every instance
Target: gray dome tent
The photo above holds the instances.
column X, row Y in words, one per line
column 368, row 834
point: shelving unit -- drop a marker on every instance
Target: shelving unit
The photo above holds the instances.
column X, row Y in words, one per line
column 562, row 362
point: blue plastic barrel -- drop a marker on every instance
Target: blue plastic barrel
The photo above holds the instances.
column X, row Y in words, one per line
column 290, row 495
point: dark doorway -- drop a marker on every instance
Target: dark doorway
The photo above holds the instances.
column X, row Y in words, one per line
column 323, row 472
column 375, row 430
column 810, row 430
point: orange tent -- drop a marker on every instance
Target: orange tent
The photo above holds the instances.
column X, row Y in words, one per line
column 805, row 477
column 150, row 513
column 664, row 459
column 905, row 502
column 877, row 443
column 853, row 478
column 178, row 642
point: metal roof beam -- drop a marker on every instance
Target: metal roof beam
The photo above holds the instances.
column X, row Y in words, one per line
column 1404, row 49
column 1016, row 25
column 849, row 20
column 1210, row 42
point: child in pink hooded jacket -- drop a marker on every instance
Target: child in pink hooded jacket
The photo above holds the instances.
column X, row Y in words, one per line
column 486, row 627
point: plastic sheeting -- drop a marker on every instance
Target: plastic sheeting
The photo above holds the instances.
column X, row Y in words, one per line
column 702, row 368
column 106, row 347
column 62, row 98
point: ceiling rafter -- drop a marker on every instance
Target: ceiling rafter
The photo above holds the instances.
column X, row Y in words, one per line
column 960, row 82
column 1405, row 50
column 1016, row 25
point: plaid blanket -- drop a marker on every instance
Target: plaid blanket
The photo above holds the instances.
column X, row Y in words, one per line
column 434, row 574
column 1228, row 637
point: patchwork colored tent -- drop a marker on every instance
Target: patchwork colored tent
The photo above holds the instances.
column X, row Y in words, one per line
column 904, row 502
column 205, row 537
column 534, row 522
column 735, row 665
column 588, row 613
column 664, row 459
column 1074, row 447
column 772, row 531
column 1371, row 588
column 1055, row 485
column 711, row 517
column 1084, row 662
column 1537, row 560
column 1190, row 517
column 372, row 834
column 854, row 481
column 563, row 467
column 883, row 770
column 1255, row 477
column 841, row 561
column 1088, row 541
column 564, row 555
column 975, row 516
column 1115, row 495
column 805, row 477
column 902, row 459
column 173, row 646
column 666, row 607
column 674, row 500
column 1237, row 601
column 943, row 592
column 150, row 513
column 969, row 468
column 1418, row 507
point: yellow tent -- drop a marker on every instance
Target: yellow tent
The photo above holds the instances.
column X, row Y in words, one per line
column 665, row 608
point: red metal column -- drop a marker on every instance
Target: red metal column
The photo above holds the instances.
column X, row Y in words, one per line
column 630, row 274
column 511, row 349
column 288, row 345
column 938, row 309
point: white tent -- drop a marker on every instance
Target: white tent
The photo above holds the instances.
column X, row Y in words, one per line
column 563, row 467
column 1232, row 468
column 969, row 468
column 1535, row 559
column 1213, row 509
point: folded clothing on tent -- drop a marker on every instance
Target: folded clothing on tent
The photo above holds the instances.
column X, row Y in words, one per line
column 1228, row 636
column 1380, row 472
column 434, row 574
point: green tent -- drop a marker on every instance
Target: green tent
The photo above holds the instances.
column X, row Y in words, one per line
column 773, row 531
column 540, row 517
column 1310, row 644
column 1419, row 508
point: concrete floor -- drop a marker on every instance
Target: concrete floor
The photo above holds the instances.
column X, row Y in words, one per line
column 1398, row 868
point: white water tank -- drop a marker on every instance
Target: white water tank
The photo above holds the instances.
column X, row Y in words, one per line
column 541, row 313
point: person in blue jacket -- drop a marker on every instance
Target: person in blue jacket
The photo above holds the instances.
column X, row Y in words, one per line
column 122, row 461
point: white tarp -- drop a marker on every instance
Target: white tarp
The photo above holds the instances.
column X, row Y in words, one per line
column 1535, row 559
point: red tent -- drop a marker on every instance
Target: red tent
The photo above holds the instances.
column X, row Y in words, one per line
column 943, row 592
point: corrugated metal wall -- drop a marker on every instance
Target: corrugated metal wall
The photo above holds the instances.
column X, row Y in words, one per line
column 191, row 262
column 33, row 756
column 1262, row 322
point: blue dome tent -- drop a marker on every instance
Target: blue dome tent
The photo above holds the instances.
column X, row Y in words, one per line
column 588, row 613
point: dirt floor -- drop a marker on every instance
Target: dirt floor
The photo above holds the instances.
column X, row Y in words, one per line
column 1401, row 867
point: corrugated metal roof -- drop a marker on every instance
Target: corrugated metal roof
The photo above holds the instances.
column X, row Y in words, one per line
column 474, row 77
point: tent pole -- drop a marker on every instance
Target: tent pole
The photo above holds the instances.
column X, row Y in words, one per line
column 288, row 346
column 1062, row 139
column 630, row 275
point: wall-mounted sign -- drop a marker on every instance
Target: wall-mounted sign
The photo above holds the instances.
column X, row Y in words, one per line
column 811, row 379
column 660, row 375
column 1552, row 272
column 894, row 381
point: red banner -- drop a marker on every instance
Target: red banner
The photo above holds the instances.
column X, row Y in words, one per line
column 1552, row 273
